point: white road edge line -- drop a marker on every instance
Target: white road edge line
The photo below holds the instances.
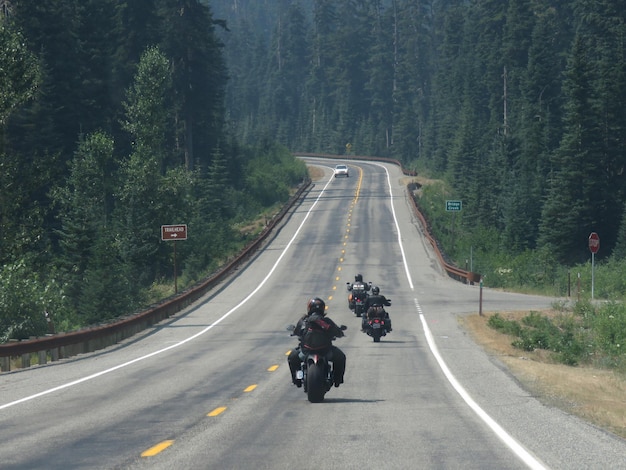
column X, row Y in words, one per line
column 180, row 343
column 395, row 220
column 505, row 437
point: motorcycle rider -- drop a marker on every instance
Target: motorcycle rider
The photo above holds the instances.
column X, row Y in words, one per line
column 359, row 288
column 316, row 332
column 376, row 299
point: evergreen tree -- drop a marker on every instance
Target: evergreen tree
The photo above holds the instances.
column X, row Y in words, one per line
column 140, row 210
column 449, row 68
column 570, row 210
column 412, row 81
column 538, row 129
column 19, row 80
column 148, row 111
column 19, row 73
column 85, row 210
column 284, row 92
column 199, row 79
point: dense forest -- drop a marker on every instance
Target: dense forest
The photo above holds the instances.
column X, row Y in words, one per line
column 520, row 105
column 120, row 116
column 112, row 119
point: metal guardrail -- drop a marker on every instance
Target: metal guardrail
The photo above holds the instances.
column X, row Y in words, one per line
column 64, row 345
column 453, row 271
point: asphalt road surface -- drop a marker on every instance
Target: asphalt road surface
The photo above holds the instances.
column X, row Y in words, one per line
column 210, row 387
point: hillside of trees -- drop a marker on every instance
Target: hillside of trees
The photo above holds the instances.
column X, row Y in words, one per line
column 520, row 105
column 118, row 116
column 112, row 119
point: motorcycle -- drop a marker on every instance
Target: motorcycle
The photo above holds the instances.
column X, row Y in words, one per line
column 376, row 329
column 356, row 299
column 375, row 325
column 316, row 374
column 359, row 303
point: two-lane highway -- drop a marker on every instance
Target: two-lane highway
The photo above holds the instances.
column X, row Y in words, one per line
column 210, row 388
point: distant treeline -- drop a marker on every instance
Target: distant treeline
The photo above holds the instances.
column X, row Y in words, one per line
column 520, row 104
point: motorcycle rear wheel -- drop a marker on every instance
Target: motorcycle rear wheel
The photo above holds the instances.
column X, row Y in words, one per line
column 376, row 335
column 316, row 388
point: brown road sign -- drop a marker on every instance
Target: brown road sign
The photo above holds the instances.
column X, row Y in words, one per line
column 174, row 232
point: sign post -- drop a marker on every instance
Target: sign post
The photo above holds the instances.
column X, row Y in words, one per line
column 174, row 232
column 594, row 246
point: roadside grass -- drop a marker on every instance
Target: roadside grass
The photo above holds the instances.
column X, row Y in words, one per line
column 538, row 349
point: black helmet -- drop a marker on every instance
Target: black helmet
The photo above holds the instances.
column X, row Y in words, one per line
column 316, row 305
column 375, row 290
column 358, row 278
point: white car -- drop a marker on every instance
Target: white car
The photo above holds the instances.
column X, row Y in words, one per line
column 342, row 170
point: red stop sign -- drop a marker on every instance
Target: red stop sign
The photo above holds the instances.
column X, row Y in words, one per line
column 594, row 242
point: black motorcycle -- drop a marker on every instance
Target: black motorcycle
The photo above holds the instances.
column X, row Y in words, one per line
column 359, row 303
column 376, row 328
column 376, row 325
column 316, row 373
column 356, row 299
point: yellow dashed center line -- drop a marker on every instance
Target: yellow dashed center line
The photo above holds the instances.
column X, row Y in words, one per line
column 343, row 251
column 217, row 411
column 160, row 447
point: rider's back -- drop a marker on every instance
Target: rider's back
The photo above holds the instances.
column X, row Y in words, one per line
column 316, row 333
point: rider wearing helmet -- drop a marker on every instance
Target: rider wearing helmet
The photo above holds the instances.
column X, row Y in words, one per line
column 377, row 299
column 316, row 332
column 358, row 288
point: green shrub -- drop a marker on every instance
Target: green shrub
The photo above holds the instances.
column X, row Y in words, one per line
column 609, row 327
column 562, row 336
column 24, row 297
column 507, row 327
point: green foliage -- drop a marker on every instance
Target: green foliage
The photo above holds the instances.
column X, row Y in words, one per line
column 519, row 104
column 588, row 334
column 146, row 107
column 507, row 327
column 25, row 296
column 104, row 289
column 131, row 96
column 20, row 72
column 188, row 39
column 562, row 335
column 271, row 173
column 609, row 327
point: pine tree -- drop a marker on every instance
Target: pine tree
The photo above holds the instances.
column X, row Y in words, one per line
column 85, row 209
column 140, row 210
column 199, row 79
column 569, row 213
column 284, row 89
